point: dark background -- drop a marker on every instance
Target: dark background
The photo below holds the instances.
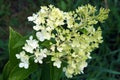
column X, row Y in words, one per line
column 105, row 62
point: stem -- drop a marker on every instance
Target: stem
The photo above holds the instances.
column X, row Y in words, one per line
column 106, row 4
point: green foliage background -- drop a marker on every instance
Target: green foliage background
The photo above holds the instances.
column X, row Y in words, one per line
column 105, row 62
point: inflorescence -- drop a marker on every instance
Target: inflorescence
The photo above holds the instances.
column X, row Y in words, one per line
column 68, row 37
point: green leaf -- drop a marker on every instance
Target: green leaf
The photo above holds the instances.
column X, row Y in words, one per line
column 46, row 44
column 45, row 75
column 21, row 42
column 21, row 73
column 36, row 75
column 49, row 72
column 55, row 73
column 13, row 39
column 6, row 70
column 11, row 70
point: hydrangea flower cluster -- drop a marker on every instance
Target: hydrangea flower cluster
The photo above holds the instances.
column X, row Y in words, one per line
column 70, row 37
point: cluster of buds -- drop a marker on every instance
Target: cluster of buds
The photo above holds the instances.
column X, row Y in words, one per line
column 67, row 37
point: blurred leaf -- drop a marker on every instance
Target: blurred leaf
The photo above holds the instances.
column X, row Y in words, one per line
column 76, row 4
column 7, row 69
column 62, row 5
column 1, row 2
column 101, row 69
column 14, row 22
column 1, row 78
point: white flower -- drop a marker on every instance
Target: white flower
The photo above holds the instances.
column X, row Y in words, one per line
column 49, row 28
column 28, row 48
column 38, row 59
column 53, row 48
column 38, row 20
column 23, row 64
column 82, row 66
column 40, row 36
column 31, row 45
column 24, row 60
column 68, row 71
column 39, row 55
column 43, row 35
column 57, row 63
column 75, row 43
column 42, row 11
column 50, row 24
column 32, row 42
column 59, row 48
column 43, row 52
column 32, row 18
column 36, row 27
column 88, row 55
